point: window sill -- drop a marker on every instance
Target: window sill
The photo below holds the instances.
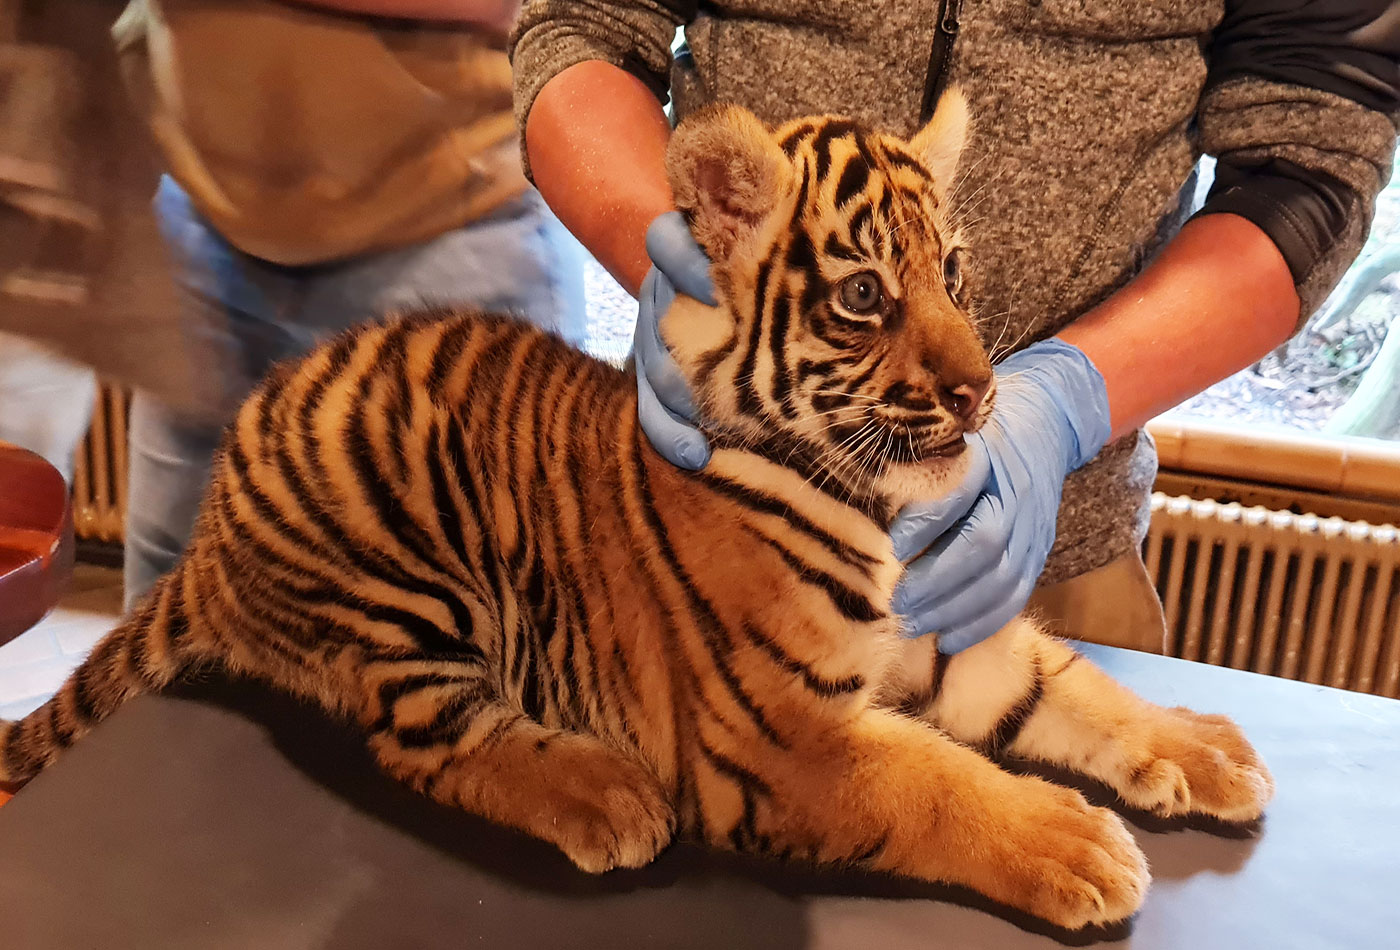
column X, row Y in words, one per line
column 1338, row 465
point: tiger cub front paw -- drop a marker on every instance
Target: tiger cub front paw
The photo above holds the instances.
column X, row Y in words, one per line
column 1197, row 764
column 1063, row 860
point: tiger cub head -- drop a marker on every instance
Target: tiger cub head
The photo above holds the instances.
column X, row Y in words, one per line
column 842, row 330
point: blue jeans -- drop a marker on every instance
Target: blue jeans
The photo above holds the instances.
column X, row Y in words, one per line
column 242, row 314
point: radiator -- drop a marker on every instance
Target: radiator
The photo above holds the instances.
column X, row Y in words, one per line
column 1297, row 596
column 1308, row 598
column 99, row 471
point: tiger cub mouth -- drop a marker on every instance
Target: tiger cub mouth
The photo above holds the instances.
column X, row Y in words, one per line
column 921, row 436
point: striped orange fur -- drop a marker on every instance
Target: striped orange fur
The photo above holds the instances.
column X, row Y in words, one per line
column 449, row 529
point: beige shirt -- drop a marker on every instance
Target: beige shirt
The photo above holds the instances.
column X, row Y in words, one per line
column 306, row 136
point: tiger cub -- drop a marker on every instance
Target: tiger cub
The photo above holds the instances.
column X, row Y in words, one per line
column 450, row 530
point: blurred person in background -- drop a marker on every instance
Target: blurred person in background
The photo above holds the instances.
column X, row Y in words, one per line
column 328, row 161
column 49, row 225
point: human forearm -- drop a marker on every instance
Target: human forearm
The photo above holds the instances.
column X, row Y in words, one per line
column 1298, row 109
column 495, row 14
column 1216, row 299
column 596, row 139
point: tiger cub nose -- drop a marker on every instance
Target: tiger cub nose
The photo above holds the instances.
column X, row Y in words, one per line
column 964, row 399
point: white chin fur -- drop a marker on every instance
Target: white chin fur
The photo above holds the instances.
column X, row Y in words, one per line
column 931, row 479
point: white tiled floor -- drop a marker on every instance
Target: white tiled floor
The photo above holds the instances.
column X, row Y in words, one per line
column 34, row 665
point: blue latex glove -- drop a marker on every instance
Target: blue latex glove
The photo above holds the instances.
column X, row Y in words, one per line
column 977, row 570
column 665, row 407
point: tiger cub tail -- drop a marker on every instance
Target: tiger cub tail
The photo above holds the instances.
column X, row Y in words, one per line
column 144, row 653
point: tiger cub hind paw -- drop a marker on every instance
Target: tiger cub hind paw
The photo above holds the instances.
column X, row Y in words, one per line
column 1198, row 764
column 628, row 829
column 607, row 812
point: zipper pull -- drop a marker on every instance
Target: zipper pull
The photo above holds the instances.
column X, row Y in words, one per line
column 951, row 13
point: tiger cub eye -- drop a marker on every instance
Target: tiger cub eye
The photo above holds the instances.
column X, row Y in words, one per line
column 952, row 275
column 861, row 293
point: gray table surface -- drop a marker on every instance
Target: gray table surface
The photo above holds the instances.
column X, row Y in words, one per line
column 228, row 817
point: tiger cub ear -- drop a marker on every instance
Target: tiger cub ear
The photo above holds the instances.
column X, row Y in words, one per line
column 939, row 143
column 726, row 174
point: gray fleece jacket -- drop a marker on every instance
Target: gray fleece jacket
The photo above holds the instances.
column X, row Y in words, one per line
column 1088, row 118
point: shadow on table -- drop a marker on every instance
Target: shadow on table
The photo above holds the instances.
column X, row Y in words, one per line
column 335, row 756
column 1100, row 794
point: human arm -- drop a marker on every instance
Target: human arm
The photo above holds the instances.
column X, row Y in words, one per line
column 1216, row 299
column 596, row 141
column 590, row 80
column 589, row 86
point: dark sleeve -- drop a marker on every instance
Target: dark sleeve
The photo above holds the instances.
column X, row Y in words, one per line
column 552, row 35
column 1300, row 110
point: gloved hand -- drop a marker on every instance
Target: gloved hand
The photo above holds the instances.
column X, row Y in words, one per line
column 665, row 407
column 976, row 571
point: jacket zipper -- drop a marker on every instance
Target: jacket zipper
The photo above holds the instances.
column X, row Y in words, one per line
column 949, row 13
